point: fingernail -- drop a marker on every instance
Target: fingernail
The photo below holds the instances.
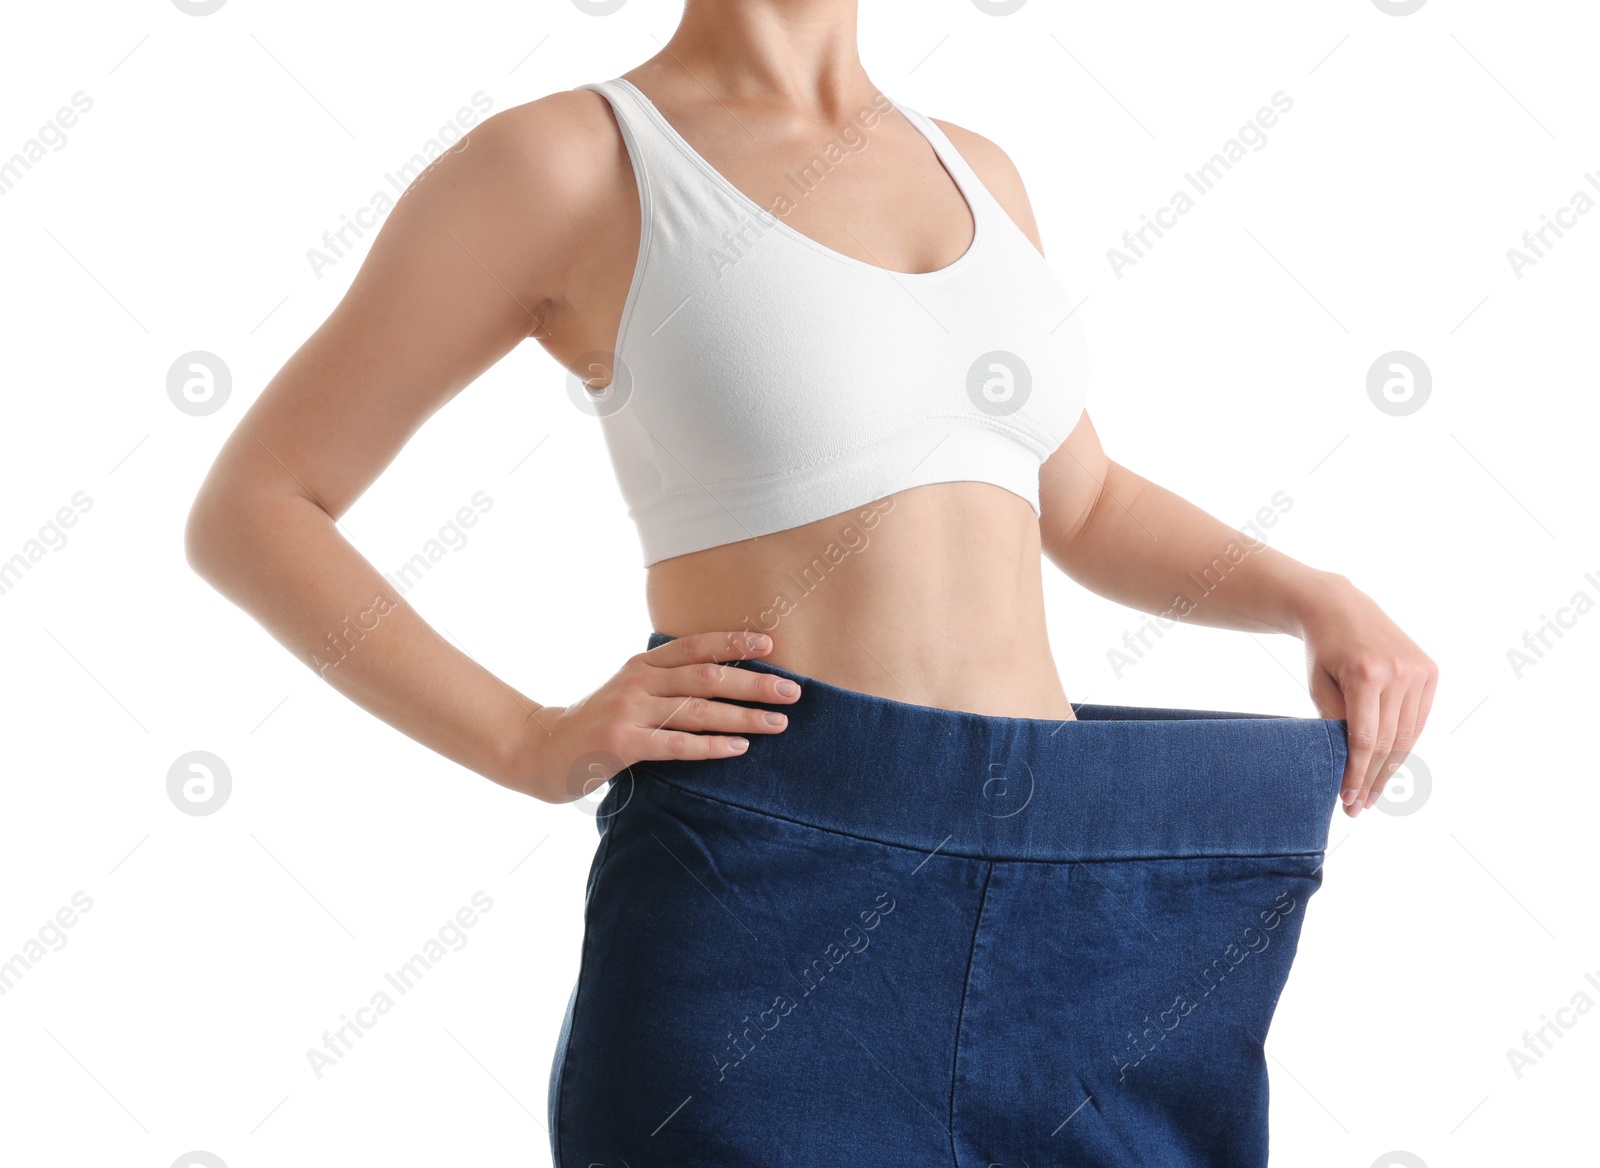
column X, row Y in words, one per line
column 1371, row 799
column 759, row 641
column 1349, row 797
column 788, row 689
column 776, row 719
column 738, row 744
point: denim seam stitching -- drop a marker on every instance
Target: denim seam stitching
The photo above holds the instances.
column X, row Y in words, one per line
column 963, row 855
column 1328, row 736
column 961, row 1009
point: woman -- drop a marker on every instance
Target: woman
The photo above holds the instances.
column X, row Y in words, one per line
column 874, row 891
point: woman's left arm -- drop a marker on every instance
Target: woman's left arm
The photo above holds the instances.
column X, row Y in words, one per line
column 1134, row 542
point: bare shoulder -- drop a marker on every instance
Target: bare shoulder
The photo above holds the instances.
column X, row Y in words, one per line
column 994, row 166
column 566, row 141
column 518, row 189
column 552, row 158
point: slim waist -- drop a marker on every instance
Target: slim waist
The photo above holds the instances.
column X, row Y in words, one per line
column 1120, row 782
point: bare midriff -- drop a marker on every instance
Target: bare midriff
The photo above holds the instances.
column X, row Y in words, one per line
column 933, row 596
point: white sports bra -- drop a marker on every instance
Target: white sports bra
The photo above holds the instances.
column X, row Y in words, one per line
column 761, row 381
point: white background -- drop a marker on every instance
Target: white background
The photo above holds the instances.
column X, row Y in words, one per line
column 1231, row 364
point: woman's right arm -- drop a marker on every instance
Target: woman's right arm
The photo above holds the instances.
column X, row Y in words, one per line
column 471, row 260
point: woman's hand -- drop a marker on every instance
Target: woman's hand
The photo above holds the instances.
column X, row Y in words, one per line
column 1364, row 669
column 661, row 704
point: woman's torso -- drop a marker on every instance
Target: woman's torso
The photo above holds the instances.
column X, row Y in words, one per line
column 931, row 594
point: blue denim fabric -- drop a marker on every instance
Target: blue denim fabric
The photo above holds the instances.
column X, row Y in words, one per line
column 900, row 935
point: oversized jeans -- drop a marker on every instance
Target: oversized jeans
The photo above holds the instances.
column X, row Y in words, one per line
column 897, row 935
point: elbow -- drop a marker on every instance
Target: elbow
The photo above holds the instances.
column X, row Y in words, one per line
column 217, row 533
column 237, row 529
column 202, row 536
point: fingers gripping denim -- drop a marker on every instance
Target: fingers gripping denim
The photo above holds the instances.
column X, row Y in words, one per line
column 900, row 935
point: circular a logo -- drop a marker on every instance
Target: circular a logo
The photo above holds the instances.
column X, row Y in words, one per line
column 603, row 384
column 998, row 7
column 198, row 1159
column 1407, row 789
column 598, row 7
column 198, row 383
column 1399, row 383
column 199, row 783
column 1398, row 8
column 1004, row 796
column 198, row 8
column 999, row 383
column 1399, row 1160
column 586, row 784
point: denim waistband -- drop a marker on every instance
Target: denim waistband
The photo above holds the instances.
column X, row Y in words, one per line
column 1119, row 783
